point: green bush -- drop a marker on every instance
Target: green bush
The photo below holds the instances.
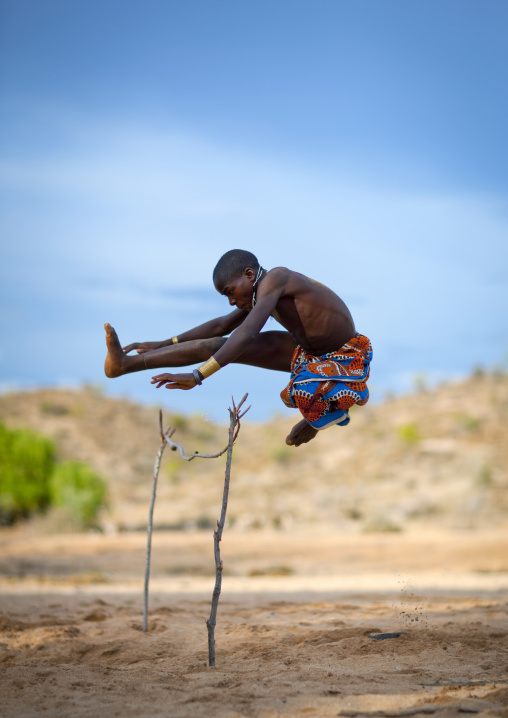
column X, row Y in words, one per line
column 31, row 481
column 180, row 422
column 26, row 465
column 409, row 433
column 76, row 487
column 282, row 454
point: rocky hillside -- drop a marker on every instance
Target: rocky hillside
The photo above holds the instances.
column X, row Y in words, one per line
column 436, row 458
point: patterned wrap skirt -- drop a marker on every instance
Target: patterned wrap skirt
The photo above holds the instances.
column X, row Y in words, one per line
column 325, row 387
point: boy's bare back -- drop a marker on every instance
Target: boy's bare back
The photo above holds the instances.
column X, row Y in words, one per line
column 316, row 317
column 318, row 320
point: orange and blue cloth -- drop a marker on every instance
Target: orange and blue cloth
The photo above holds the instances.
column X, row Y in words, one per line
column 325, row 387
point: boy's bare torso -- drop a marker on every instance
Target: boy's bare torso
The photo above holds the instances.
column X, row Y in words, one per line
column 317, row 319
column 315, row 316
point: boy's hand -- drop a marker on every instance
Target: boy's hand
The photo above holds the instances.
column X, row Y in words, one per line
column 174, row 381
column 141, row 347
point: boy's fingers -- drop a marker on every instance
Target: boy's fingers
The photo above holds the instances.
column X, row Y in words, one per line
column 173, row 381
column 162, row 379
column 161, row 382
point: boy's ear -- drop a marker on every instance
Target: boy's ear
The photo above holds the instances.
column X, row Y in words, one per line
column 249, row 273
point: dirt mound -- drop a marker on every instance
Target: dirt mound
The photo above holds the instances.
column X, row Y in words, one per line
column 436, row 458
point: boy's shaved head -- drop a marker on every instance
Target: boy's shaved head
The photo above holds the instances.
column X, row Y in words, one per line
column 232, row 264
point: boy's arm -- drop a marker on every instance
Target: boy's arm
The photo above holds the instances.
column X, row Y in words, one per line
column 272, row 289
column 218, row 327
column 250, row 328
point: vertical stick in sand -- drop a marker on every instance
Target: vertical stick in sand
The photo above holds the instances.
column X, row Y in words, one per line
column 234, row 423
column 150, row 521
column 166, row 439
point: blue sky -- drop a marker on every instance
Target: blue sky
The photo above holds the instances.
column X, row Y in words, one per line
column 362, row 143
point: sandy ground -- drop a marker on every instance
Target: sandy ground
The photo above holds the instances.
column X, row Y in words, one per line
column 294, row 629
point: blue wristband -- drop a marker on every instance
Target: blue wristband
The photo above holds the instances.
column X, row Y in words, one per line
column 197, row 377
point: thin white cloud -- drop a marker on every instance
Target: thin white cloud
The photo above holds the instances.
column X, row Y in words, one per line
column 124, row 214
column 152, row 193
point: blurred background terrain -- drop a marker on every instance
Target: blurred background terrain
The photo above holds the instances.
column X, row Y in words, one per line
column 435, row 458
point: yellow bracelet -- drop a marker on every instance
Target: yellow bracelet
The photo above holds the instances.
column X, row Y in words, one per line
column 209, row 367
column 174, row 340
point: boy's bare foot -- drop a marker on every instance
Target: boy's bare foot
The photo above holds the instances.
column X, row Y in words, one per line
column 115, row 360
column 301, row 433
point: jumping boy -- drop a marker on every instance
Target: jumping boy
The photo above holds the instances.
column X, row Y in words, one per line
column 328, row 360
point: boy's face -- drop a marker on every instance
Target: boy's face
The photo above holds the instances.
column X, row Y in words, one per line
column 239, row 290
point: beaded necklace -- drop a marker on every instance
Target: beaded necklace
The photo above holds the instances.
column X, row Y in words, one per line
column 256, row 282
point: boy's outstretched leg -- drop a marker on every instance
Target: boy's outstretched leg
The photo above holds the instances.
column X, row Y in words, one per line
column 270, row 350
column 115, row 358
column 301, row 433
column 118, row 363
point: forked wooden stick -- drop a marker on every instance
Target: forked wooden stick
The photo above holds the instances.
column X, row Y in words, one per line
column 150, row 520
column 234, row 428
column 166, row 439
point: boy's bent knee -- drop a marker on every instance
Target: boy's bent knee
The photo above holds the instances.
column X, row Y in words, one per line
column 208, row 347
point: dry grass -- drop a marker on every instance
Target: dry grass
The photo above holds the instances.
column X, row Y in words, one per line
column 436, row 458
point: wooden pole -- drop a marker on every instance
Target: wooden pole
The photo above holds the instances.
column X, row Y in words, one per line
column 234, row 424
column 150, row 521
column 166, row 440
